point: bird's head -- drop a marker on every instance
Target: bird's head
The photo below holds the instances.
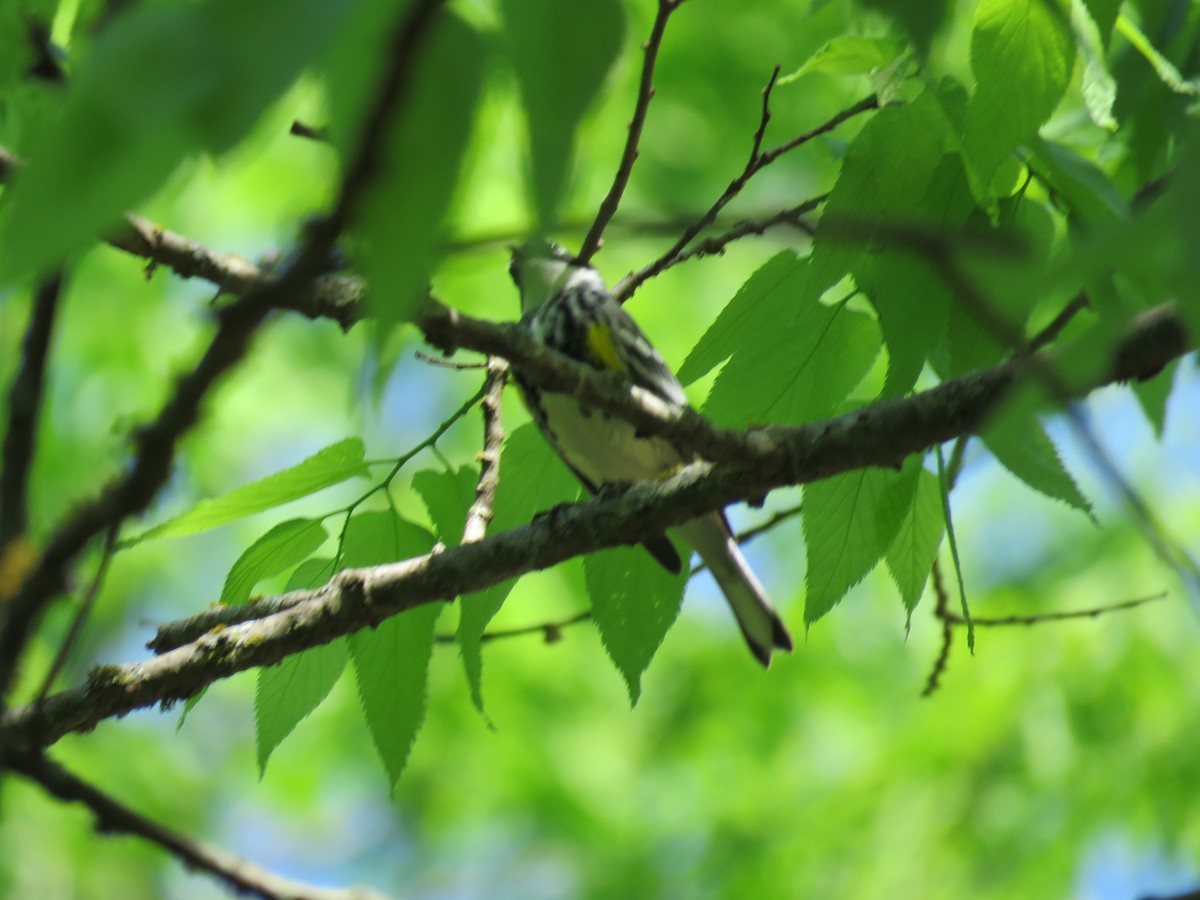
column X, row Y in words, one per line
column 540, row 269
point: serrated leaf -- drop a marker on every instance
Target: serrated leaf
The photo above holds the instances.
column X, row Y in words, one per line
column 447, row 496
column 332, row 465
column 888, row 168
column 1152, row 397
column 1098, row 85
column 1019, row 441
column 288, row 692
column 1163, row 67
column 161, row 83
column 849, row 54
column 909, row 296
column 287, row 544
column 1022, row 52
column 912, row 552
column 634, row 603
column 798, row 373
column 561, row 53
column 755, row 310
column 849, row 522
column 534, row 481
column 391, row 661
column 411, row 198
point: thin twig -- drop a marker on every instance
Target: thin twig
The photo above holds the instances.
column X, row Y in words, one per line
column 113, row 817
column 445, row 363
column 479, row 516
column 1040, row 618
column 942, row 613
column 24, row 411
column 1049, row 334
column 612, row 200
column 550, row 631
column 717, row 243
column 759, row 160
column 81, row 617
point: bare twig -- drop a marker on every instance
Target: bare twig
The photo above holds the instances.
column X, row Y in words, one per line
column 1041, row 618
column 746, row 227
column 551, row 632
column 1049, row 334
column 942, row 613
column 444, row 363
column 759, row 160
column 113, row 817
column 24, row 411
column 612, row 200
column 479, row 516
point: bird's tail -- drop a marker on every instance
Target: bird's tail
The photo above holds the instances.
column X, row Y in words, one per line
column 761, row 626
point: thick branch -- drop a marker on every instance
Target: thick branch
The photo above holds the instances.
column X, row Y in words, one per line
column 879, row 435
column 113, row 817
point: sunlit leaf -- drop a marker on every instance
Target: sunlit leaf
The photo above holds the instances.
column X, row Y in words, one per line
column 287, row 544
column 911, row 554
column 332, row 465
column 447, row 496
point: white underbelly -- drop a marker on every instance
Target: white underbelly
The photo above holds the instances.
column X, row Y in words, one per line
column 604, row 448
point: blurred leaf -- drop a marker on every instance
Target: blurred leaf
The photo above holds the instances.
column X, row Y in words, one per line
column 332, row 465
column 447, row 496
column 160, row 83
column 1098, row 85
column 634, row 603
column 287, row 544
column 1022, row 52
column 756, row 309
column 534, row 481
column 922, row 20
column 849, row 54
column 1163, row 67
column 911, row 554
column 887, row 170
column 799, row 373
column 849, row 522
column 1152, row 397
column 391, row 661
column 1090, row 193
column 1019, row 441
column 403, row 214
column 561, row 53
column 1104, row 14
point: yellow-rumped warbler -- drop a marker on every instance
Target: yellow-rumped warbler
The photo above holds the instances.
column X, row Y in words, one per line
column 565, row 305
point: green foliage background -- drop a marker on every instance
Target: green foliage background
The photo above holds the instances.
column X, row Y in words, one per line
column 1055, row 761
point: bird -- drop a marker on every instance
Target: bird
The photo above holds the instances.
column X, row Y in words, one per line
column 566, row 306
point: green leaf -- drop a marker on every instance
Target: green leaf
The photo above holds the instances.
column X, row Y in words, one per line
column 1022, row 52
column 1098, row 85
column 1104, row 14
column 1152, row 396
column 1091, row 195
column 849, row 54
column 332, row 465
column 910, row 298
column 534, row 481
column 1019, row 441
column 849, row 522
column 447, row 496
column 160, row 83
column 391, row 661
column 289, row 691
column 1163, row 67
column 634, row 603
column 405, row 210
column 755, row 310
column 287, row 544
column 911, row 554
column 922, row 19
column 798, row 373
column 561, row 53
column 887, row 170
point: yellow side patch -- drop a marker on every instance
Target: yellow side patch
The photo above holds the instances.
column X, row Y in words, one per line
column 600, row 342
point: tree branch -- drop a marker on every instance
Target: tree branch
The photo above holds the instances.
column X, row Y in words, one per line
column 479, row 516
column 24, row 411
column 882, row 434
column 612, row 200
column 113, row 817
